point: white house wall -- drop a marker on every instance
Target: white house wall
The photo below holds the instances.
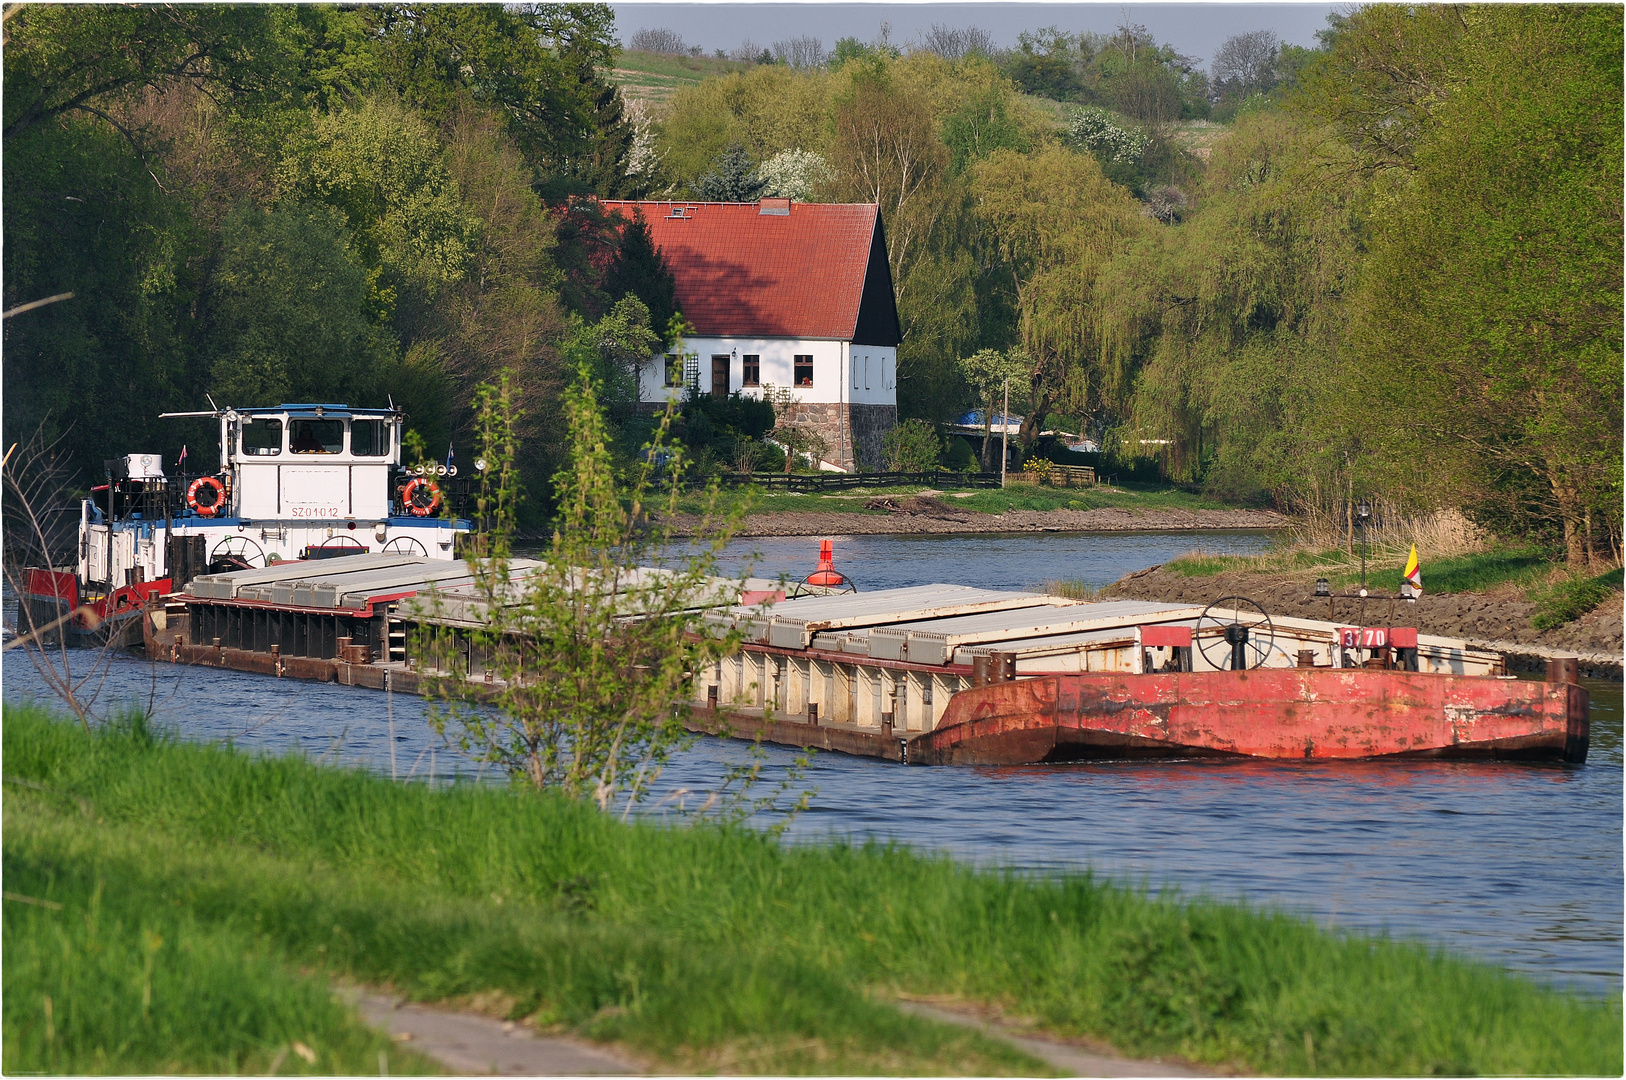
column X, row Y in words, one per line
column 842, row 373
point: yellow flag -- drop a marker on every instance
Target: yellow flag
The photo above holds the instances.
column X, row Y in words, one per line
column 1411, row 586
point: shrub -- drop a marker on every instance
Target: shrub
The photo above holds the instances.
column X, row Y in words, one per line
column 911, row 446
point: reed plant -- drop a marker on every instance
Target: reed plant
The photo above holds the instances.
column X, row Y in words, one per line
column 710, row 946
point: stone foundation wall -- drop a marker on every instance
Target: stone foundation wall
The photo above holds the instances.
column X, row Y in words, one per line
column 846, row 426
column 870, row 423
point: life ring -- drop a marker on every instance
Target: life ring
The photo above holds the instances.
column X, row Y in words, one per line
column 421, row 497
column 214, row 505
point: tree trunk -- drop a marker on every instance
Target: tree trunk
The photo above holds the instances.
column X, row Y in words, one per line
column 1574, row 535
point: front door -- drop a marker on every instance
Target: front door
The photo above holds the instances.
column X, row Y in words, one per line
column 719, row 377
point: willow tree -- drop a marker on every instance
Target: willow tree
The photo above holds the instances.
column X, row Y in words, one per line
column 1056, row 223
column 1491, row 315
column 1234, row 320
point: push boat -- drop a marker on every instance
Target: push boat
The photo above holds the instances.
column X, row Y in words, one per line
column 312, row 555
column 296, row 482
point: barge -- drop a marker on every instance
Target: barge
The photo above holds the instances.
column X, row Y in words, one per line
column 311, row 553
column 943, row 674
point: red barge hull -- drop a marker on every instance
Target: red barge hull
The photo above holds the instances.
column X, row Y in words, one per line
column 1278, row 713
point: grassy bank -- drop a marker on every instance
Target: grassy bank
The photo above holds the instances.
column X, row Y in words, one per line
column 704, row 948
column 979, row 501
column 1538, row 575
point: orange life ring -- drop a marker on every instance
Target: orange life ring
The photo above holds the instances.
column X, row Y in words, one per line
column 214, row 505
column 411, row 496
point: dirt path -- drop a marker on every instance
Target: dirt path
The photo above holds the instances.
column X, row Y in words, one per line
column 473, row 1045
column 1499, row 620
column 470, row 1044
column 920, row 516
column 1071, row 1058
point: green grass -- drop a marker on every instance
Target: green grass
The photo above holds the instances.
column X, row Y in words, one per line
column 1475, row 572
column 979, row 501
column 1569, row 600
column 707, row 947
column 657, row 76
column 101, row 978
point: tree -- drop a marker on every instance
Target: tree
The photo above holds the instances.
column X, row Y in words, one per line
column 382, row 167
column 1056, row 223
column 732, row 178
column 275, row 338
column 639, row 271
column 87, row 58
column 1491, row 308
column 990, row 372
column 1244, row 65
column 540, row 65
column 590, row 656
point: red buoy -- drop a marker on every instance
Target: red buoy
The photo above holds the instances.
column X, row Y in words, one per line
column 827, row 576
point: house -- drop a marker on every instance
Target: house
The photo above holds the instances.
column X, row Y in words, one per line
column 793, row 297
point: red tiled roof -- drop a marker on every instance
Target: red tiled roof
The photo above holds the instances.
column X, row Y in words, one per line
column 744, row 273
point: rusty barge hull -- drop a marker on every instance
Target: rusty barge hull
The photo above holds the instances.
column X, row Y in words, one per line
column 1273, row 714
column 1314, row 714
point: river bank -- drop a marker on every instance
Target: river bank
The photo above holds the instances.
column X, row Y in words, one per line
column 902, row 515
column 699, row 947
column 1498, row 617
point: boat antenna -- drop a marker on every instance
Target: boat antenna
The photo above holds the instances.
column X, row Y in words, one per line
column 391, row 398
column 211, row 398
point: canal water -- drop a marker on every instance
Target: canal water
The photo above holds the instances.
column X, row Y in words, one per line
column 1520, row 865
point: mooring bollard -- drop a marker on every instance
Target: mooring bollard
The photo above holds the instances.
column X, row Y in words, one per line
column 1306, row 658
column 276, row 659
column 813, row 713
column 1563, row 669
column 979, row 671
column 711, row 698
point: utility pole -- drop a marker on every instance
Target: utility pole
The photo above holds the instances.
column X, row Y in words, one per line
column 1005, row 433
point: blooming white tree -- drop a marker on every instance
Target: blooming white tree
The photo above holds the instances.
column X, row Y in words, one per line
column 794, row 174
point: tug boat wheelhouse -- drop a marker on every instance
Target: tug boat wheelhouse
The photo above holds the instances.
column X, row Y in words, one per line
column 296, row 482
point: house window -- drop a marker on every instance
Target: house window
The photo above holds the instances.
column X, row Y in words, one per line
column 674, row 370
column 852, row 361
column 866, row 373
column 804, row 370
column 752, row 374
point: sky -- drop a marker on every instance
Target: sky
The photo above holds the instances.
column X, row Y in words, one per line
column 1196, row 30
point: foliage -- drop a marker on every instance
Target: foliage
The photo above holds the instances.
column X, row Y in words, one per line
column 911, row 446
column 732, row 178
column 794, row 174
column 591, row 654
column 1569, row 600
column 639, row 271
column 1127, row 71
column 1058, row 223
column 1490, row 308
column 1095, row 131
column 277, row 339
column 537, row 65
column 702, row 945
column 1232, row 325
column 62, row 60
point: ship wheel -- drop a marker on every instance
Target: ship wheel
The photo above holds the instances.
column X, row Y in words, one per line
column 235, row 553
column 405, row 545
column 1241, row 645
